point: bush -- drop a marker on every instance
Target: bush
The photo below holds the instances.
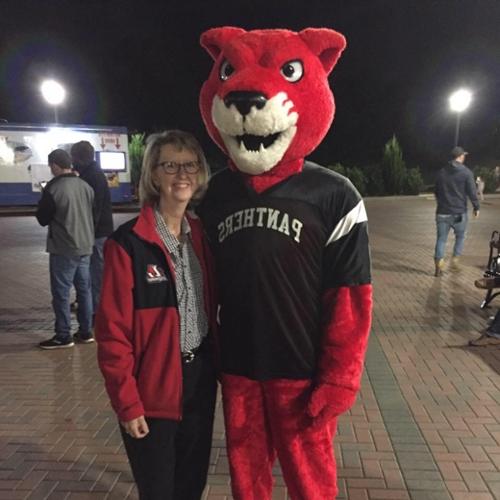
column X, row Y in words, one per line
column 354, row 174
column 414, row 183
column 339, row 168
column 357, row 177
column 390, row 177
column 375, row 185
column 136, row 152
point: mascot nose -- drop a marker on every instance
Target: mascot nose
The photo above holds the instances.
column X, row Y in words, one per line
column 244, row 100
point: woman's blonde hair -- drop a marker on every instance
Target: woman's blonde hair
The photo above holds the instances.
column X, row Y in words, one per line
column 149, row 192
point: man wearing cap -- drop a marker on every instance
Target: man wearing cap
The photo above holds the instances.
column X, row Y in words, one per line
column 454, row 184
column 66, row 206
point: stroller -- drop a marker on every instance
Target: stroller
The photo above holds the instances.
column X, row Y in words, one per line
column 491, row 276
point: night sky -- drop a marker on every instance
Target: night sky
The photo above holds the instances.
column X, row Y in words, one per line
column 139, row 64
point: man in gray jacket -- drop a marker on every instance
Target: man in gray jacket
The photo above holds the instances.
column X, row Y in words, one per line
column 454, row 184
column 66, row 206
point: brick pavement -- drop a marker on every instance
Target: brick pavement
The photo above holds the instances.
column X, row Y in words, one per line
column 426, row 424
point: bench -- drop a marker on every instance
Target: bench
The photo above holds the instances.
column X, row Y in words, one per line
column 491, row 276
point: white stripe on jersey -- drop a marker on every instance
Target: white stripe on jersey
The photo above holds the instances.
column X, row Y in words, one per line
column 355, row 216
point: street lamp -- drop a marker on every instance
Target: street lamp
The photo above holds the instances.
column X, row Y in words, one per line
column 459, row 102
column 53, row 92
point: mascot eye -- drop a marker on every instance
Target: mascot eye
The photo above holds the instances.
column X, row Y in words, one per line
column 292, row 71
column 226, row 70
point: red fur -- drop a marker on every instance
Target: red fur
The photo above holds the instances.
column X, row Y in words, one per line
column 257, row 57
column 346, row 327
column 264, row 181
column 255, row 411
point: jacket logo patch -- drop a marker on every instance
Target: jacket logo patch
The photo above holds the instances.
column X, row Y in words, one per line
column 155, row 274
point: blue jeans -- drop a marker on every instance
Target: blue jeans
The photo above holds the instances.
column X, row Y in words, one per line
column 444, row 223
column 64, row 273
column 96, row 270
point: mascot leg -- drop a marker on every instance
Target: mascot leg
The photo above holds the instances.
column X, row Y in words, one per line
column 263, row 418
column 250, row 451
column 305, row 453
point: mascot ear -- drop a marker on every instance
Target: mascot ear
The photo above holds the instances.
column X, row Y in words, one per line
column 214, row 39
column 324, row 43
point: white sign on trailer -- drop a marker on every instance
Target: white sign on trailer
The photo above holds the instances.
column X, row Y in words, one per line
column 24, row 150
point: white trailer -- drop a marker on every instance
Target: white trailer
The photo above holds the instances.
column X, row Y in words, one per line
column 23, row 158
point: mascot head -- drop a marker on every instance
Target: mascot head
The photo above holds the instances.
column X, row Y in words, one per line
column 267, row 101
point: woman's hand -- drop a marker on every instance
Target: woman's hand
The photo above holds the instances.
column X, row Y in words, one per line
column 136, row 428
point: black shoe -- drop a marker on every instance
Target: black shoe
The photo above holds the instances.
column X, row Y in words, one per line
column 488, row 282
column 83, row 338
column 55, row 343
column 485, row 340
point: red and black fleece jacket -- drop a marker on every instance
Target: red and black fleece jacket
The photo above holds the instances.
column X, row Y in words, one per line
column 137, row 324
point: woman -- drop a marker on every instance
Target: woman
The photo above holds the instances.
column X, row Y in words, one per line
column 156, row 310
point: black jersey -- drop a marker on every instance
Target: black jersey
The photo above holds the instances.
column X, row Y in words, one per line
column 276, row 253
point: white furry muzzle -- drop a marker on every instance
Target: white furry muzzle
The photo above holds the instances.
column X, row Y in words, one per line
column 256, row 142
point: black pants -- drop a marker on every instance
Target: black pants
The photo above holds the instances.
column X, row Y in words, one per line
column 171, row 462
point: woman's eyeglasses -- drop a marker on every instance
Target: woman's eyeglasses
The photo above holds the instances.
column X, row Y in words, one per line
column 172, row 167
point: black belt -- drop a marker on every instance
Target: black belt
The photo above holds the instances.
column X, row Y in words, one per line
column 189, row 356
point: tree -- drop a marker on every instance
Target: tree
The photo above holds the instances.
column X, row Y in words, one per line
column 393, row 167
column 136, row 153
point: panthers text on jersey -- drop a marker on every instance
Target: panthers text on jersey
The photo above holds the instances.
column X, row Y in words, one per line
column 276, row 253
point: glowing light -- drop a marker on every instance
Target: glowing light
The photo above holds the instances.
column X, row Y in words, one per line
column 460, row 100
column 53, row 92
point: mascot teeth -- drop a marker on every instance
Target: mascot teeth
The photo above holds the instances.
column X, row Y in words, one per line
column 258, row 140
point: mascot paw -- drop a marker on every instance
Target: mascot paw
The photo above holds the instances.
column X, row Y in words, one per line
column 327, row 402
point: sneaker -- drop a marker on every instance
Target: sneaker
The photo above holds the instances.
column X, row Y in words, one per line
column 56, row 343
column 439, row 266
column 83, row 338
column 485, row 340
column 488, row 283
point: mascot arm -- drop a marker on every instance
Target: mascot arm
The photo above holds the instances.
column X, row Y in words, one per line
column 346, row 311
column 346, row 326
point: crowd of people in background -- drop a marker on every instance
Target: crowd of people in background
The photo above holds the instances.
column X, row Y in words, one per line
column 76, row 207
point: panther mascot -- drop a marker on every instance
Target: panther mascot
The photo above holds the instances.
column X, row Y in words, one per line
column 291, row 250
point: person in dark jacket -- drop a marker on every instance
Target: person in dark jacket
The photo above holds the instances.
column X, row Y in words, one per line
column 66, row 207
column 82, row 155
column 454, row 184
column 156, row 311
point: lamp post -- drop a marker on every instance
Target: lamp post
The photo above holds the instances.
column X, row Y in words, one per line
column 459, row 102
column 54, row 93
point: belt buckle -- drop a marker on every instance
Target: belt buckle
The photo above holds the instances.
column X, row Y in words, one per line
column 188, row 356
